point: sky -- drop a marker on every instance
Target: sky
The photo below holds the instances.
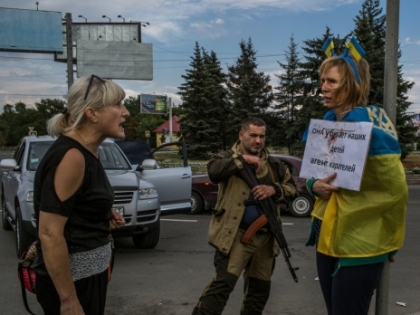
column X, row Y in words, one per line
column 217, row 25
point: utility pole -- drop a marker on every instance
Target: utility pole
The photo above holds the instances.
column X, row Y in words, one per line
column 69, row 40
column 390, row 106
column 170, row 119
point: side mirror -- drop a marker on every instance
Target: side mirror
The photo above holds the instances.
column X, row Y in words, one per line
column 149, row 164
column 10, row 164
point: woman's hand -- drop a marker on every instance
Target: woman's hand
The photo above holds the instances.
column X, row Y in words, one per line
column 116, row 220
column 323, row 188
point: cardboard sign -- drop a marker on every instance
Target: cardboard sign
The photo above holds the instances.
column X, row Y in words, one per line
column 337, row 146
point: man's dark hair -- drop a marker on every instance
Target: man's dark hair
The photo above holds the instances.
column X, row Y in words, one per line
column 252, row 121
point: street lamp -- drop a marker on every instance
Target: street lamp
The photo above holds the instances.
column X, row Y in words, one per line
column 104, row 16
column 81, row 16
column 121, row 18
column 144, row 24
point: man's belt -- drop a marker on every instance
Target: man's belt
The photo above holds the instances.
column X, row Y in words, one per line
column 254, row 228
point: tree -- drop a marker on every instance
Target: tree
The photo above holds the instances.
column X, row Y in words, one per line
column 203, row 105
column 289, row 89
column 15, row 122
column 249, row 90
column 370, row 31
column 46, row 109
column 137, row 124
column 312, row 105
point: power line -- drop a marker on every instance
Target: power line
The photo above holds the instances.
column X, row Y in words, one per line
column 31, row 94
column 29, row 75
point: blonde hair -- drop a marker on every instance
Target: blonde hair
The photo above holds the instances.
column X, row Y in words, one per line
column 355, row 94
column 102, row 93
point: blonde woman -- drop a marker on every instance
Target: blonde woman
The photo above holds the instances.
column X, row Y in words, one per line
column 73, row 200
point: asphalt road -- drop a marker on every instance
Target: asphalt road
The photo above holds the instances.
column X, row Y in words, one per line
column 168, row 280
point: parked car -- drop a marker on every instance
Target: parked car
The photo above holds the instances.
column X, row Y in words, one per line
column 148, row 105
column 173, row 182
column 204, row 192
column 136, row 197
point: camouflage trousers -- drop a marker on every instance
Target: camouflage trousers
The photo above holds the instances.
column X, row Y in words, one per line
column 256, row 261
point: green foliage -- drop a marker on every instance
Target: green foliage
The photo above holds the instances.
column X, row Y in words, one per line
column 16, row 120
column 214, row 104
column 370, row 31
column 250, row 93
column 137, row 124
column 287, row 97
column 204, row 105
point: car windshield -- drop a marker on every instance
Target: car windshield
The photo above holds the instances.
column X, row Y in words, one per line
column 37, row 151
column 135, row 151
column 109, row 155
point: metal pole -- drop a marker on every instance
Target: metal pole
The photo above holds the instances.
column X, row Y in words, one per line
column 69, row 40
column 390, row 107
column 391, row 59
column 170, row 119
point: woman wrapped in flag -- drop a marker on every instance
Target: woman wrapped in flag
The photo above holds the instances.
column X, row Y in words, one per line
column 355, row 232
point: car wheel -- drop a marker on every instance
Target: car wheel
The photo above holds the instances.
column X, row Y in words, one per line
column 196, row 202
column 4, row 221
column 23, row 238
column 302, row 206
column 147, row 240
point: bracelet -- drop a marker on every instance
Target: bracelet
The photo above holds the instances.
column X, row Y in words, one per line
column 309, row 183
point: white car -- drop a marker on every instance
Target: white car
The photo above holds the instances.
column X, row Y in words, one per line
column 136, row 197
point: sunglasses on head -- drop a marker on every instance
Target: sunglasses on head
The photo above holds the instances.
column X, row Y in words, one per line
column 90, row 84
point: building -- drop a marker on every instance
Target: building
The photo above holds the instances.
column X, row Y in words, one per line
column 163, row 132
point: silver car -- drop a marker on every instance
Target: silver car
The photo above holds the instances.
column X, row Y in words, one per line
column 136, row 197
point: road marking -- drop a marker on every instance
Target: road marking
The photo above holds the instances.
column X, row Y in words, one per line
column 194, row 221
column 178, row 220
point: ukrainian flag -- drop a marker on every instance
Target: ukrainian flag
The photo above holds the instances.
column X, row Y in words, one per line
column 355, row 48
column 328, row 47
column 369, row 222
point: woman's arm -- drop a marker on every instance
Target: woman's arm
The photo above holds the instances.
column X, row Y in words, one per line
column 67, row 180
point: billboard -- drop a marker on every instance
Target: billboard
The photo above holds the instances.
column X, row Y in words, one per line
column 416, row 120
column 108, row 32
column 115, row 60
column 30, row 31
column 153, row 104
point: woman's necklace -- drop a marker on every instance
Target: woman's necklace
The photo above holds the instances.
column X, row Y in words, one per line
column 83, row 139
column 86, row 143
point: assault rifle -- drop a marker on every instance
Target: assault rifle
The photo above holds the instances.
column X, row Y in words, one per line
column 269, row 216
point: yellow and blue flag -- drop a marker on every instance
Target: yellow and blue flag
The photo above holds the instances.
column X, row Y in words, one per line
column 369, row 222
column 328, row 47
column 355, row 48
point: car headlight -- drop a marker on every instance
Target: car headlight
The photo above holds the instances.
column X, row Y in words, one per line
column 30, row 196
column 148, row 193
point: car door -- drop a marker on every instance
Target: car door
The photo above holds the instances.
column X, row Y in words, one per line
column 13, row 178
column 172, row 180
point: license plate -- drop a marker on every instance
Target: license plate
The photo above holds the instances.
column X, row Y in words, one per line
column 120, row 210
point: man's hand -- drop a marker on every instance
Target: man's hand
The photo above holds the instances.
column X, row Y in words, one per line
column 253, row 160
column 116, row 220
column 323, row 188
column 262, row 192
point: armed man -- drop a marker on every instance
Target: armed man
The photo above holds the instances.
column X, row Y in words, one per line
column 245, row 227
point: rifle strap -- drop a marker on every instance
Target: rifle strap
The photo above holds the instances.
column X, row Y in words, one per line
column 254, row 228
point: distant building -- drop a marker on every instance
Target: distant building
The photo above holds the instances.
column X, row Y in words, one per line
column 163, row 132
